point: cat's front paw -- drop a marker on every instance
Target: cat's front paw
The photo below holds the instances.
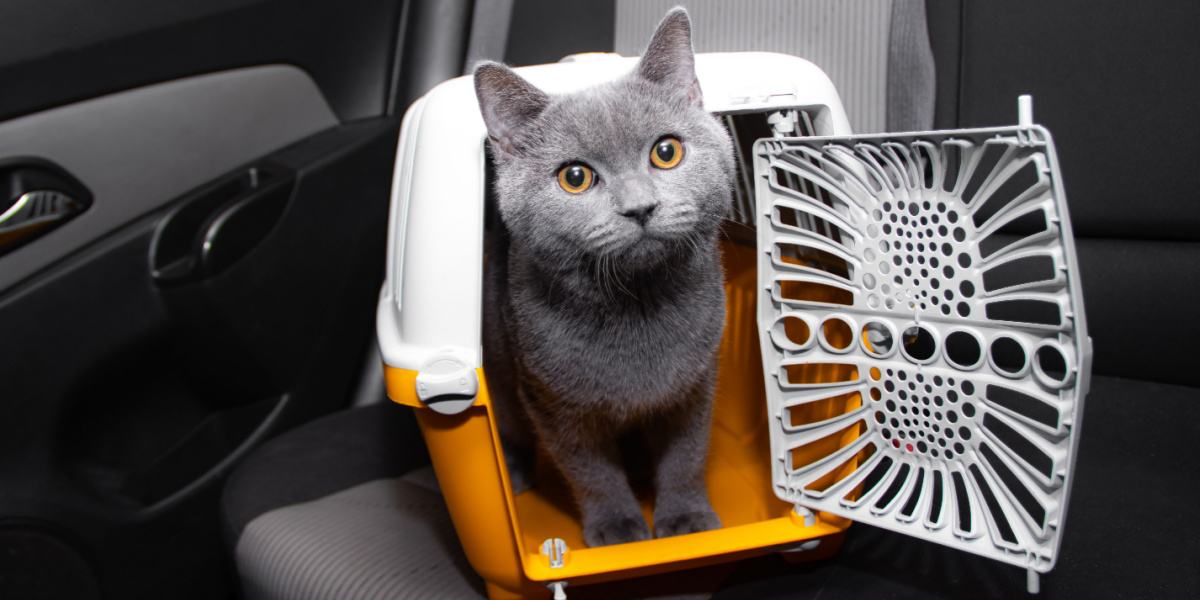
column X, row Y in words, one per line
column 617, row 530
column 684, row 523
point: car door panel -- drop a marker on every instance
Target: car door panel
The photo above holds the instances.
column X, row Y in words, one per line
column 219, row 288
column 127, row 398
column 138, row 149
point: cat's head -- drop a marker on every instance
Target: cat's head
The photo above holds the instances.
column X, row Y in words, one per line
column 634, row 169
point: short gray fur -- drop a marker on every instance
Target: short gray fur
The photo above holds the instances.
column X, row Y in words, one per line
column 604, row 310
column 858, row 43
column 139, row 149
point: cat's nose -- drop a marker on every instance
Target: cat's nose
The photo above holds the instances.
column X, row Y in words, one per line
column 639, row 212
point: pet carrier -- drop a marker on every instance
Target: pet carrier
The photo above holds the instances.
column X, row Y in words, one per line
column 904, row 341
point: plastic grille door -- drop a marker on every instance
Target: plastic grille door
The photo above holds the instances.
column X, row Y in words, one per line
column 921, row 324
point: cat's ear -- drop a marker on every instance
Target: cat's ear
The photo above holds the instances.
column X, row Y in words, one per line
column 508, row 103
column 669, row 59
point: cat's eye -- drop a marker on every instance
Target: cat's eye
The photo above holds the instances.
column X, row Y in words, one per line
column 666, row 153
column 576, row 178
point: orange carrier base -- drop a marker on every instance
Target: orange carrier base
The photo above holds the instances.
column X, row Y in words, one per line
column 502, row 535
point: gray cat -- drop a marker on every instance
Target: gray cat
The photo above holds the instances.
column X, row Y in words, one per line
column 604, row 302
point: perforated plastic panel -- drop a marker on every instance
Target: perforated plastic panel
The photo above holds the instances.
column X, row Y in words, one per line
column 924, row 344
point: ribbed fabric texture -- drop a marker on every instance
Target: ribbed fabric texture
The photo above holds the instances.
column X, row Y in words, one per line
column 388, row 538
column 910, row 73
column 854, row 41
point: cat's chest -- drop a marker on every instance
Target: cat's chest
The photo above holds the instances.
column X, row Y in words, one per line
column 620, row 349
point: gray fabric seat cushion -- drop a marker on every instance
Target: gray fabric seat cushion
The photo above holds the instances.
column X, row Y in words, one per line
column 387, row 538
column 324, row 456
column 1130, row 532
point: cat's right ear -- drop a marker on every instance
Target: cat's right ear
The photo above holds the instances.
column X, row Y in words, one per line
column 508, row 103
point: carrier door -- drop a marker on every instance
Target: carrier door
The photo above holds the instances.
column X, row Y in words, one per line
column 924, row 344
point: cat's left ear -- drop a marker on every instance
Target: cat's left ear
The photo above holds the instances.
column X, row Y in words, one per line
column 669, row 59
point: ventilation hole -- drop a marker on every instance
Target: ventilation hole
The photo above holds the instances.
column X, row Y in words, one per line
column 910, row 505
column 1052, row 363
column 962, row 501
column 1017, row 184
column 926, row 159
column 952, row 154
column 967, row 289
column 806, row 291
column 803, row 221
column 1020, row 445
column 1008, row 355
column 876, row 394
column 983, row 167
column 873, row 478
column 1024, row 497
column 875, row 373
column 825, row 408
column 959, row 234
column 1030, row 269
column 935, row 501
column 820, row 373
column 1041, row 312
column 964, row 309
column 877, row 339
column 963, row 349
column 894, row 489
column 993, row 505
column 806, row 256
column 964, row 260
column 964, row 433
column 816, row 450
column 868, row 281
column 1026, row 225
column 837, row 333
column 948, row 271
column 791, row 333
column 843, row 470
column 968, row 409
column 1023, row 404
column 918, row 343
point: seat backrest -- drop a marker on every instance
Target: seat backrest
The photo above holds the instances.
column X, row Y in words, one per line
column 876, row 51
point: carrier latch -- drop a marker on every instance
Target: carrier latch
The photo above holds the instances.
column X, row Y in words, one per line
column 447, row 386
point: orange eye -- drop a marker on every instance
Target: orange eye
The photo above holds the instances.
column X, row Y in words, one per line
column 666, row 153
column 576, row 178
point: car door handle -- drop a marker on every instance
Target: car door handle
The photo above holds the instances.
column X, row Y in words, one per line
column 37, row 197
column 212, row 227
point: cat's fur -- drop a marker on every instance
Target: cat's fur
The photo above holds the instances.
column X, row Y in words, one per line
column 596, row 325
